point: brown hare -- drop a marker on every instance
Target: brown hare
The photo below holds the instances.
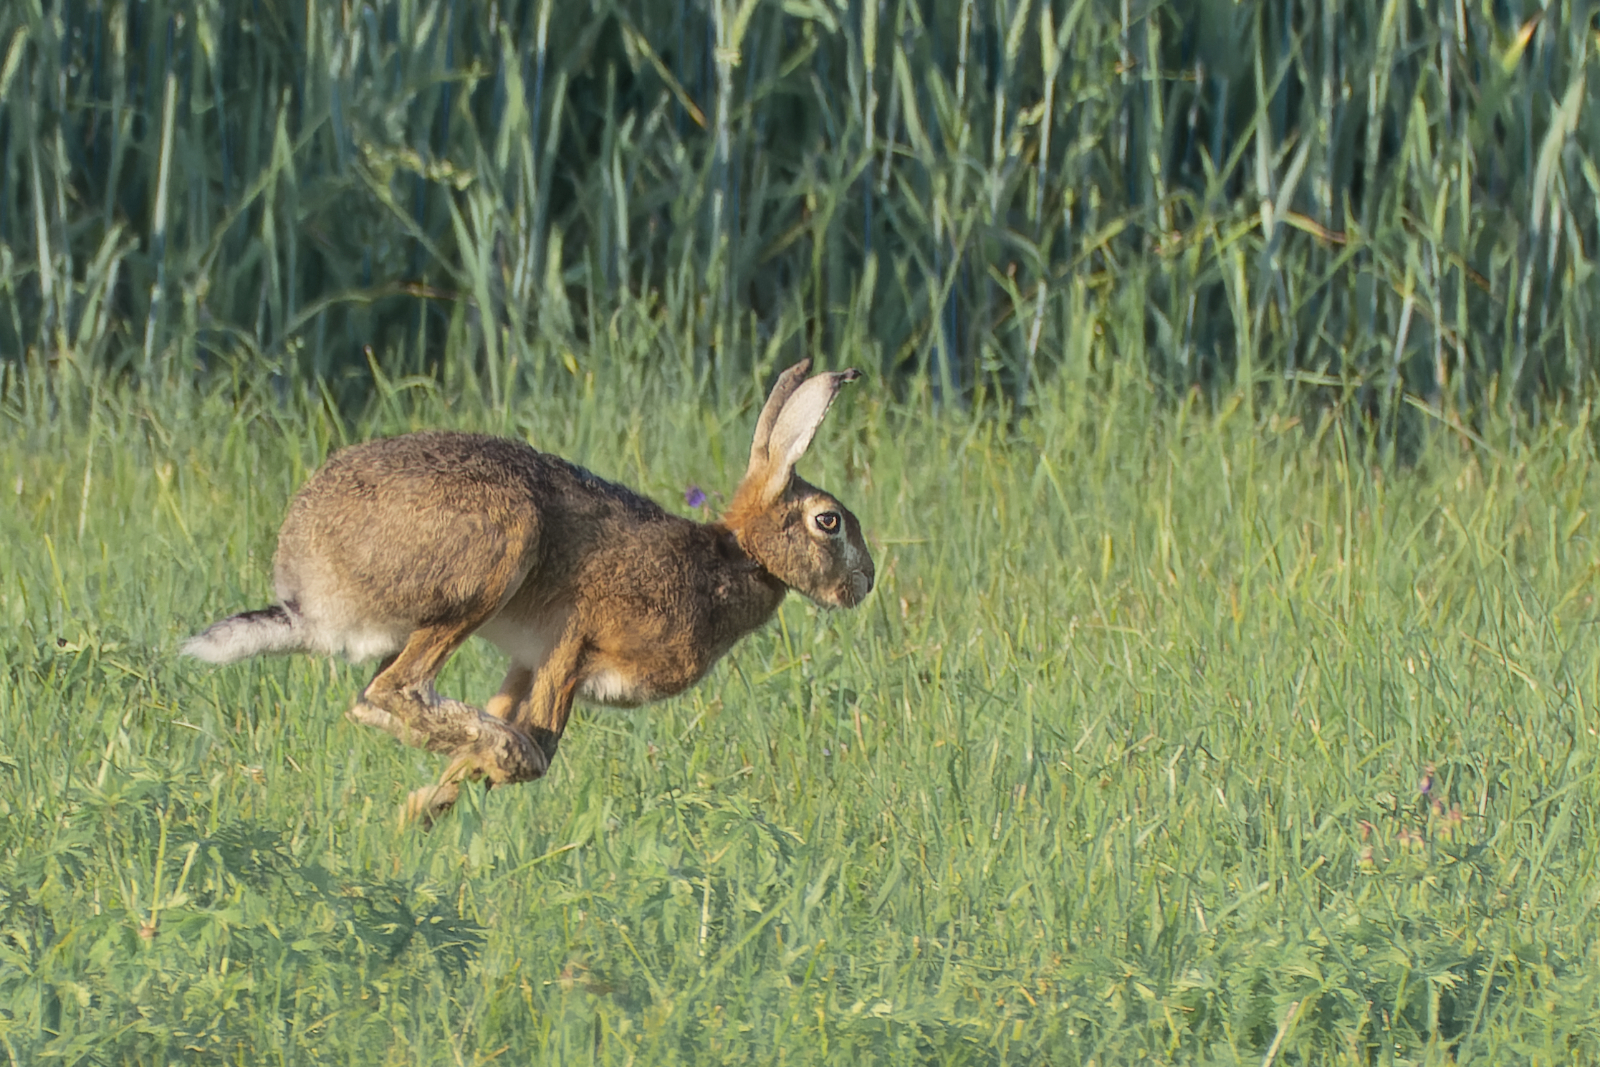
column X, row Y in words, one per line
column 404, row 547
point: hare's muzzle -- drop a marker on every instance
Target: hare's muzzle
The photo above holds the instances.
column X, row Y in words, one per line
column 857, row 584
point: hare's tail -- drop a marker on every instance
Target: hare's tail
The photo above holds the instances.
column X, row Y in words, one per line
column 250, row 633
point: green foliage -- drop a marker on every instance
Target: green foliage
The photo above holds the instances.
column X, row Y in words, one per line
column 1167, row 734
column 1397, row 196
column 1183, row 731
column 195, row 932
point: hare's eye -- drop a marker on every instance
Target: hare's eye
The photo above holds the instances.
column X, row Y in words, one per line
column 828, row 521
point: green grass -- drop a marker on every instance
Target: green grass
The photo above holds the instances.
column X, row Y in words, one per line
column 1249, row 520
column 1120, row 760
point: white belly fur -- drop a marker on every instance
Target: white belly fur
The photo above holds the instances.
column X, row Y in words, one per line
column 613, row 687
column 359, row 645
column 528, row 642
column 355, row 638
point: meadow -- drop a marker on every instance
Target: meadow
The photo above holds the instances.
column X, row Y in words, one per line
column 1169, row 734
column 1226, row 447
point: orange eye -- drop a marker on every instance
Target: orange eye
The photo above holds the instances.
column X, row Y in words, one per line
column 828, row 522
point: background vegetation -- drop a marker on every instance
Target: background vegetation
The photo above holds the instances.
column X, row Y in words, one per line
column 1398, row 195
column 1231, row 699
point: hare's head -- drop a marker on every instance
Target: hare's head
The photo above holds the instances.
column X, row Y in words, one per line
column 802, row 535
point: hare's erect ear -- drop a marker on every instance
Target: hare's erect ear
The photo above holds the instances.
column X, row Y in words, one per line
column 792, row 429
column 782, row 390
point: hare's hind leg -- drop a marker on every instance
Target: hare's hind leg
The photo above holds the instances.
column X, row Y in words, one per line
column 401, row 700
column 425, row 805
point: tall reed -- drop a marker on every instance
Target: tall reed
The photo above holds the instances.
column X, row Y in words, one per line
column 1396, row 198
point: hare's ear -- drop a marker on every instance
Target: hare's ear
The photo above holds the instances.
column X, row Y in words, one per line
column 782, row 390
column 792, row 430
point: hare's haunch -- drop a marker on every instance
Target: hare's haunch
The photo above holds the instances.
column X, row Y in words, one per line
column 404, row 547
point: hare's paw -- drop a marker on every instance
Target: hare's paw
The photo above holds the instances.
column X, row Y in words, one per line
column 476, row 738
column 365, row 714
column 427, row 805
column 437, row 725
column 501, row 753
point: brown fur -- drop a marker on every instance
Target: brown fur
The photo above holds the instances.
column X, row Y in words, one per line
column 404, row 547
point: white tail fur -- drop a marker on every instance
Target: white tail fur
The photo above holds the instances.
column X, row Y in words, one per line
column 250, row 633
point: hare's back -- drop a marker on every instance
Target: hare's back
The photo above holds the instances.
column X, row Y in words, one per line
column 396, row 532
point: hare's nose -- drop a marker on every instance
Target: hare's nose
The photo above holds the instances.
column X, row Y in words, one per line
column 861, row 583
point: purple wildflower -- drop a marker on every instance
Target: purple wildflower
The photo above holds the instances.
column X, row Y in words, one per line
column 695, row 497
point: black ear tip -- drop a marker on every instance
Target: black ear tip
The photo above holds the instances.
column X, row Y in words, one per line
column 849, row 375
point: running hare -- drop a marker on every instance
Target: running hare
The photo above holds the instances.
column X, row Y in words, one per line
column 405, row 547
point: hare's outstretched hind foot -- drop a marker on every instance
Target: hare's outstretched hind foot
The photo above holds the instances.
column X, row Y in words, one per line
column 363, row 714
column 499, row 751
column 480, row 746
column 487, row 760
column 401, row 701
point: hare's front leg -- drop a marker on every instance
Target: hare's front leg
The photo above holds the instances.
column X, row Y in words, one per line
column 546, row 704
column 514, row 692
